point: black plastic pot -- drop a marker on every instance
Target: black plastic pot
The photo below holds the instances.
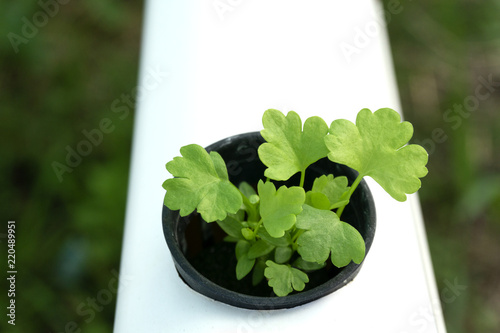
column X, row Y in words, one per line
column 207, row 264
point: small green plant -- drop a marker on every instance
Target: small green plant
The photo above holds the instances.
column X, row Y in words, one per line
column 284, row 233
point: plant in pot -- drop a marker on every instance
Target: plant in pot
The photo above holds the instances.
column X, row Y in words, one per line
column 290, row 202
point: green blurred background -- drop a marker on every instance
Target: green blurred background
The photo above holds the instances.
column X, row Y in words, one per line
column 64, row 78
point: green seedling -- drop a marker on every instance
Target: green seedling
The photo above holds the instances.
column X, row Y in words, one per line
column 282, row 234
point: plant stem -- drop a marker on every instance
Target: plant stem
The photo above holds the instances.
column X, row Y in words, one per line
column 349, row 194
column 297, row 235
column 302, row 178
column 257, row 228
column 253, row 215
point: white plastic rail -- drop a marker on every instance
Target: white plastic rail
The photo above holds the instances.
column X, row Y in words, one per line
column 209, row 69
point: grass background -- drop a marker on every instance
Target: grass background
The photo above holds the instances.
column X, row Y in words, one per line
column 64, row 79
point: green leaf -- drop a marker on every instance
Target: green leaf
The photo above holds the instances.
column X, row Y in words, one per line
column 201, row 183
column 258, row 272
column 326, row 235
column 376, row 146
column 231, row 226
column 239, row 216
column 317, row 200
column 244, row 264
column 242, row 248
column 230, row 239
column 250, row 201
column 254, row 199
column 248, row 233
column 278, row 209
column 259, row 248
column 284, row 279
column 289, row 149
column 335, row 189
column 246, row 189
column 307, row 265
column 283, row 254
column 285, row 240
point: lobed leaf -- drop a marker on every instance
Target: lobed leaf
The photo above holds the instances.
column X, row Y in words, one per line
column 278, row 209
column 328, row 192
column 326, row 235
column 376, row 146
column 201, row 182
column 284, row 279
column 289, row 148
